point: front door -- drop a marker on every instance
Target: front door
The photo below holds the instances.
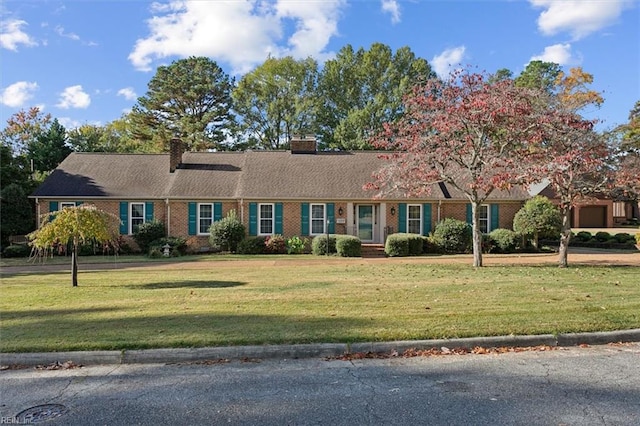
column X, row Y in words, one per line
column 365, row 223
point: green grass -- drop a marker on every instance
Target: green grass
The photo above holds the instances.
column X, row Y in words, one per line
column 271, row 302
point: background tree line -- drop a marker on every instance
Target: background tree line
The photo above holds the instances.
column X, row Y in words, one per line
column 345, row 103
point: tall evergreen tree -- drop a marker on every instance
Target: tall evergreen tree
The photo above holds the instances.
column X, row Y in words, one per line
column 189, row 99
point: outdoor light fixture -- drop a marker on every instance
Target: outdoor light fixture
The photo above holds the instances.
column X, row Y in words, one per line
column 340, row 211
column 393, row 211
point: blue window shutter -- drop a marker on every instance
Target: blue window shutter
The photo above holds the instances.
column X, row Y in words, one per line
column 426, row 219
column 495, row 217
column 469, row 215
column 193, row 218
column 124, row 217
column 148, row 212
column 53, row 207
column 331, row 216
column 304, row 219
column 79, row 203
column 278, row 224
column 402, row 217
column 217, row 211
column 253, row 218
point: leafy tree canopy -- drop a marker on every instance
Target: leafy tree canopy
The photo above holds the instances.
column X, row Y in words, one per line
column 74, row 226
column 359, row 90
column 277, row 100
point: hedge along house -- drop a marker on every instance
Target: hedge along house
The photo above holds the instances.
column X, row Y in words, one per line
column 301, row 192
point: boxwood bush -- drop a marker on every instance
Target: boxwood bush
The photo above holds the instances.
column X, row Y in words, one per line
column 147, row 233
column 348, row 246
column 504, row 240
column 602, row 236
column 16, row 250
column 584, row 236
column 402, row 244
column 319, row 244
column 453, row 236
column 252, row 245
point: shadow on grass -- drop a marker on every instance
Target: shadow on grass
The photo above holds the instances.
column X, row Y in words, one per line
column 178, row 328
column 185, row 284
column 51, row 313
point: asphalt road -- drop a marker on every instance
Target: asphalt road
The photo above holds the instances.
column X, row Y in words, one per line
column 598, row 385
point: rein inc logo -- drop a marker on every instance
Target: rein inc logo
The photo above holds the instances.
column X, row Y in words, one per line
column 14, row 421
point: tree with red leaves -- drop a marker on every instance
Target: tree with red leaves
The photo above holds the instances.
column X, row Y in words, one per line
column 471, row 131
column 574, row 159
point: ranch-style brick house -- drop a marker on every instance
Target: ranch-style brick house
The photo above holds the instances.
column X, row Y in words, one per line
column 301, row 192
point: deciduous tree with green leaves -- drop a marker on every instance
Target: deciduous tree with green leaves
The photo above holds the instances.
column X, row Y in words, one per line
column 276, row 101
column 73, row 226
column 360, row 90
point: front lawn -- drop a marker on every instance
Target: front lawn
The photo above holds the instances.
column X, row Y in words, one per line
column 239, row 302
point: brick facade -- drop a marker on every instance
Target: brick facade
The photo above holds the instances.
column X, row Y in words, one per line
column 175, row 215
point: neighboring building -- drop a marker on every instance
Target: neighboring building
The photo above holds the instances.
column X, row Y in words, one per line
column 299, row 192
column 599, row 211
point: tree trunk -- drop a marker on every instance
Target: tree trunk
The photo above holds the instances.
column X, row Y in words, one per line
column 477, row 236
column 74, row 266
column 565, row 236
column 535, row 240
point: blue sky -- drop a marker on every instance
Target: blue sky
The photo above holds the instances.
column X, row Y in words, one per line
column 87, row 61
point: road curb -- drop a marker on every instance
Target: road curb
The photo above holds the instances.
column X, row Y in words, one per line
column 321, row 350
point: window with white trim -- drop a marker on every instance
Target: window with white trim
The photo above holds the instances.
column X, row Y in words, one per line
column 414, row 219
column 483, row 218
column 65, row 204
column 266, row 219
column 136, row 216
column 318, row 221
column 619, row 209
column 205, row 217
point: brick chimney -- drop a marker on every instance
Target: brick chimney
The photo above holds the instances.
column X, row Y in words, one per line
column 176, row 149
column 303, row 144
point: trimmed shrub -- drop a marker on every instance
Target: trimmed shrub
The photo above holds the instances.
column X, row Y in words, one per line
column 147, row 233
column 402, row 244
column 429, row 246
column 16, row 250
column 602, row 236
column 538, row 219
column 296, row 245
column 584, row 236
column 319, row 244
column 623, row 237
column 348, row 246
column 252, row 245
column 227, row 232
column 638, row 238
column 178, row 245
column 275, row 244
column 453, row 236
column 505, row 240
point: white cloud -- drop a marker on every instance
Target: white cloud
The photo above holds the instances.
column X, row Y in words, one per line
column 256, row 28
column 392, row 8
column 11, row 35
column 62, row 33
column 74, row 97
column 128, row 93
column 557, row 53
column 445, row 62
column 578, row 17
column 17, row 94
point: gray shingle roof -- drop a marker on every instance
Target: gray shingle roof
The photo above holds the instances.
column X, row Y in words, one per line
column 277, row 175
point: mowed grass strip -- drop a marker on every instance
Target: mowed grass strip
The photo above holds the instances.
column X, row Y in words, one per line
column 240, row 303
